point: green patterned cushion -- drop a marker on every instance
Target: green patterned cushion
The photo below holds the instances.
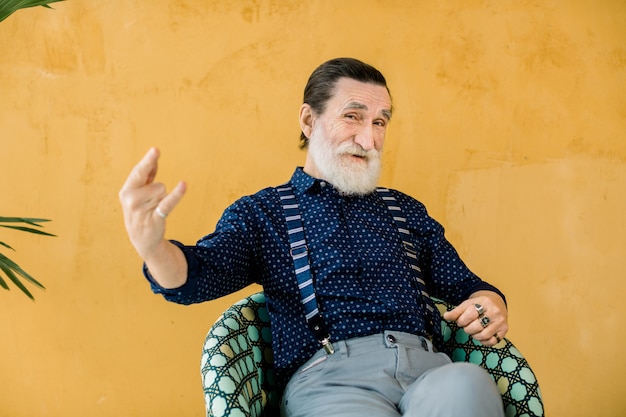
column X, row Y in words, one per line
column 237, row 371
column 504, row 362
column 238, row 375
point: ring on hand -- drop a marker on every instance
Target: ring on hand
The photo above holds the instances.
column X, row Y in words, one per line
column 498, row 340
column 480, row 310
column 484, row 321
column 160, row 213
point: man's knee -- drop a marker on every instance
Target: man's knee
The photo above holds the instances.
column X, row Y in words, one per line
column 452, row 390
column 462, row 375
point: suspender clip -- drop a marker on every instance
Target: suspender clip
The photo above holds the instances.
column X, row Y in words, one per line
column 328, row 347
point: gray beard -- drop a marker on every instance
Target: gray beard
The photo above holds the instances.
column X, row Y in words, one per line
column 351, row 178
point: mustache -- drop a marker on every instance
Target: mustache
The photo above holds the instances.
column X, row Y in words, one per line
column 355, row 149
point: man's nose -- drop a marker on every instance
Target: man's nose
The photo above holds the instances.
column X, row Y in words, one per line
column 365, row 138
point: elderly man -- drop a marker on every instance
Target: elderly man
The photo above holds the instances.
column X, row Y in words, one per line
column 347, row 267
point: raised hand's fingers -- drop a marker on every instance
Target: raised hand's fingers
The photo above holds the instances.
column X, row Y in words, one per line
column 139, row 201
column 170, row 201
column 144, row 172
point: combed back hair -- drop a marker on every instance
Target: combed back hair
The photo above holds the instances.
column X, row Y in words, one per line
column 319, row 88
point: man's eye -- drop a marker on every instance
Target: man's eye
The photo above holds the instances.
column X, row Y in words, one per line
column 352, row 116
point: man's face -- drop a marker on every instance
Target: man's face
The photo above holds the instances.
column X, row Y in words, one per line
column 346, row 140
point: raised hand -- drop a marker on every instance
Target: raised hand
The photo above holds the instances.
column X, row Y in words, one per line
column 146, row 204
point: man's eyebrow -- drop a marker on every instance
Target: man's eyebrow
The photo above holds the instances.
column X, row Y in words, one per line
column 360, row 106
column 356, row 105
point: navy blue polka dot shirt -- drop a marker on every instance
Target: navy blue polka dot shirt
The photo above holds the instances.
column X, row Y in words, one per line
column 362, row 279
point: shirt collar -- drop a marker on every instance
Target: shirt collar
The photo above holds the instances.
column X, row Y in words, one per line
column 303, row 182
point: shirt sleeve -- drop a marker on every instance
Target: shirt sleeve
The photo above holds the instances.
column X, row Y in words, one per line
column 218, row 264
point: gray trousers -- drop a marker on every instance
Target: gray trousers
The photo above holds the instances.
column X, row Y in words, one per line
column 390, row 374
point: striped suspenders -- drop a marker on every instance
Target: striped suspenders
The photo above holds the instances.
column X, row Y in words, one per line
column 300, row 255
column 411, row 255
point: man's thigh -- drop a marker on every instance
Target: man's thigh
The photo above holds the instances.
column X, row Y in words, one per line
column 344, row 385
column 366, row 376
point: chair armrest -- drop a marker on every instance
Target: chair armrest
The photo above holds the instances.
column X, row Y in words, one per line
column 507, row 366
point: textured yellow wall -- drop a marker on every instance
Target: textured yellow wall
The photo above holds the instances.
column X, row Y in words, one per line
column 510, row 126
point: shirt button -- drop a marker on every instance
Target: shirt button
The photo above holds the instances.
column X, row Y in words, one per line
column 322, row 184
column 391, row 338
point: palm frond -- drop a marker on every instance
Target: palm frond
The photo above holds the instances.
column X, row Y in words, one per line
column 6, row 245
column 30, row 220
column 9, row 273
column 12, row 270
column 27, row 220
column 3, row 284
column 27, row 229
column 8, row 7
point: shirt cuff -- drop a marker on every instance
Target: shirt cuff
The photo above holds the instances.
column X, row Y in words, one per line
column 176, row 292
column 484, row 286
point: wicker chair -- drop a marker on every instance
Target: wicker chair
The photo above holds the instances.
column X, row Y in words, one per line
column 238, row 375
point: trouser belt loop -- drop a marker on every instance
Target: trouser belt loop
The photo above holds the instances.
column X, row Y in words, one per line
column 427, row 344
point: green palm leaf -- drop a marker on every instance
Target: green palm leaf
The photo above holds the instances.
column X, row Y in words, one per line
column 12, row 270
column 9, row 269
column 28, row 220
column 23, row 224
column 8, row 7
column 6, row 245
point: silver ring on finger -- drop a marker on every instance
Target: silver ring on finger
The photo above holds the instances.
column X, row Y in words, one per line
column 480, row 310
column 484, row 321
column 160, row 213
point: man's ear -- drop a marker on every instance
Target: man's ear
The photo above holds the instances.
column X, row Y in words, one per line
column 306, row 119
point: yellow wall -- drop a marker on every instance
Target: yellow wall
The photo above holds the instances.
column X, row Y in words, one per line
column 510, row 127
